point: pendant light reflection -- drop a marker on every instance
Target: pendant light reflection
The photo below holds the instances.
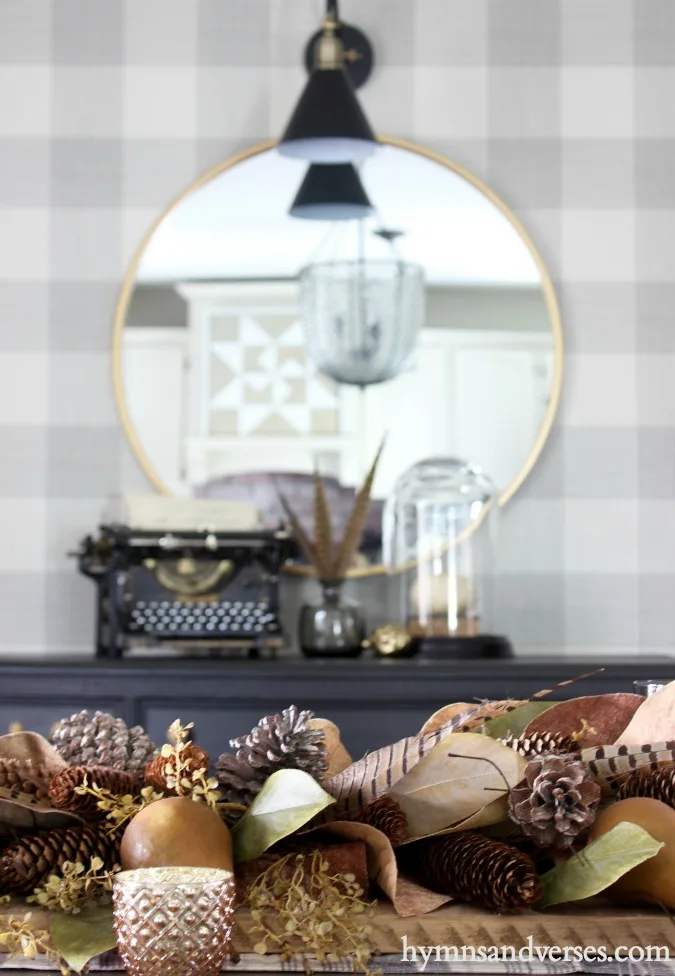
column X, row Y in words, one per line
column 331, row 192
column 362, row 316
column 328, row 124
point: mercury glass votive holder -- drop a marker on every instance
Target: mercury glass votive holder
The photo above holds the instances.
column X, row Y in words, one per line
column 174, row 921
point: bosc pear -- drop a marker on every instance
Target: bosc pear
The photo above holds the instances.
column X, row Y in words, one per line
column 653, row 881
column 176, row 832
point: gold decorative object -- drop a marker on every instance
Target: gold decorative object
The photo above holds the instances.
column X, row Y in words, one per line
column 173, row 920
column 390, row 640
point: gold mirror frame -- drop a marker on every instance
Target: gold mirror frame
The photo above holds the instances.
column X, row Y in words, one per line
column 546, row 284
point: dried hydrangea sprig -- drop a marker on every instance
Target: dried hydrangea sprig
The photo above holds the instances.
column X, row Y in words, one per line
column 75, row 886
column 325, row 913
column 118, row 810
column 20, row 940
column 179, row 771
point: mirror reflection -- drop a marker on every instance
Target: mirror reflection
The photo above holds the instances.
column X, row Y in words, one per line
column 265, row 337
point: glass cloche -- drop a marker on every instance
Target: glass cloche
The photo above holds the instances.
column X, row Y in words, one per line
column 438, row 535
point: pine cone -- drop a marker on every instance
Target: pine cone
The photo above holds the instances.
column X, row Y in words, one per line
column 241, row 783
column 284, row 742
column 556, row 801
column 473, row 868
column 541, row 743
column 62, row 788
column 277, row 742
column 192, row 756
column 385, row 814
column 24, row 777
column 102, row 741
column 658, row 784
column 27, row 862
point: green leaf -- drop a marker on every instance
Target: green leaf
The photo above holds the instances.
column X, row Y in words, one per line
column 598, row 865
column 289, row 799
column 515, row 722
column 78, row 938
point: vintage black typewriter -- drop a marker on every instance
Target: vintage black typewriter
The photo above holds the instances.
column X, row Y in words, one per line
column 201, row 588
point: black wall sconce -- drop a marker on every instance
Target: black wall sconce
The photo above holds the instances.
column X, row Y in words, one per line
column 328, row 124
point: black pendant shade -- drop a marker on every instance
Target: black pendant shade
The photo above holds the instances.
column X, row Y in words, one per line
column 328, row 124
column 331, row 191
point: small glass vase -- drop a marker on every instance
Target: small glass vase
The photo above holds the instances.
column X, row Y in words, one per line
column 334, row 627
column 649, row 686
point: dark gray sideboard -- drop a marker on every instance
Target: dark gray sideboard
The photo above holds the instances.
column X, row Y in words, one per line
column 374, row 702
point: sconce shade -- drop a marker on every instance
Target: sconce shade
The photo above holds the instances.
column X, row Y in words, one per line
column 332, row 191
column 328, row 125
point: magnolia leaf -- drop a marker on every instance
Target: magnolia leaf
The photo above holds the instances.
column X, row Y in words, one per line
column 598, row 865
column 592, row 720
column 654, row 721
column 460, row 777
column 495, row 812
column 289, row 799
column 407, row 897
column 79, row 938
column 516, row 721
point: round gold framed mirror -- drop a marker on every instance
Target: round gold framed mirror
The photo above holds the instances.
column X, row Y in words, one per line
column 220, row 392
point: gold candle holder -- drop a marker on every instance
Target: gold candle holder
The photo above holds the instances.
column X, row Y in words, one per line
column 173, row 920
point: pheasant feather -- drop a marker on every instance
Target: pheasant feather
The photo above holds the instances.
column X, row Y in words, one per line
column 375, row 774
column 609, row 765
column 505, row 709
column 320, row 554
column 301, row 536
column 357, row 521
column 323, row 531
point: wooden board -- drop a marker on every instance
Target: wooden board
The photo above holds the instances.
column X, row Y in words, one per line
column 597, row 924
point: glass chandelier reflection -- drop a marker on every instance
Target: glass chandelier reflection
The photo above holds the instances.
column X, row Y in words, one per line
column 362, row 316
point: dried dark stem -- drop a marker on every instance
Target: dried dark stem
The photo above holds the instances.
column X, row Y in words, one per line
column 454, row 755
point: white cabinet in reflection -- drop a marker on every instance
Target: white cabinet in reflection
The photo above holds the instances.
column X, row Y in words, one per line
column 478, row 395
column 233, row 392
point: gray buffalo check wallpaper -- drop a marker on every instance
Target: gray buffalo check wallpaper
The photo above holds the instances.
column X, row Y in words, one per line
column 565, row 107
